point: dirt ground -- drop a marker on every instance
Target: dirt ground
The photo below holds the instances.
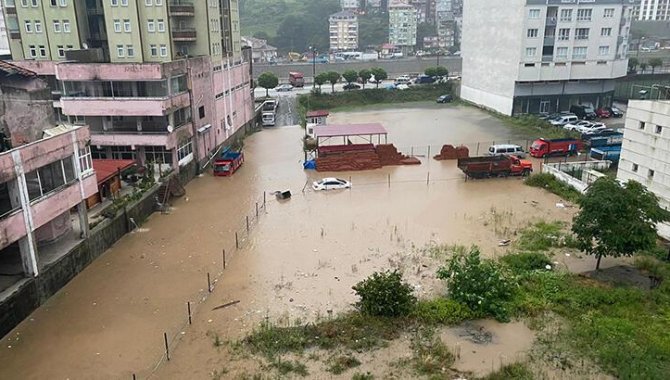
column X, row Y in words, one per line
column 299, row 262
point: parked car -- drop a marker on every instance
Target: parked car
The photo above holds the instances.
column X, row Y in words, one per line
column 550, row 116
column 506, row 149
column 615, row 112
column 351, row 86
column 402, row 87
column 284, row 87
column 331, row 184
column 563, row 120
column 593, row 128
column 577, row 125
column 603, row 113
column 584, row 112
column 424, row 79
column 445, row 99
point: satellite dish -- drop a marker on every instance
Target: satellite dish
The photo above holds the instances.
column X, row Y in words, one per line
column 170, row 129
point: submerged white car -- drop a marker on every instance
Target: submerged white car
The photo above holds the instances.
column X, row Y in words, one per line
column 331, row 184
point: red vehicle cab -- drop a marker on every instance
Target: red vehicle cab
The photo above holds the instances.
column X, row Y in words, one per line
column 603, row 113
column 558, row 147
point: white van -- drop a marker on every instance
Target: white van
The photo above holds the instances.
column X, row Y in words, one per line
column 563, row 120
column 510, row 149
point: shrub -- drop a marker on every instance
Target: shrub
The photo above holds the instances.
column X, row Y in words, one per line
column 478, row 283
column 385, row 294
column 363, row 376
column 526, row 261
column 340, row 364
column 442, row 311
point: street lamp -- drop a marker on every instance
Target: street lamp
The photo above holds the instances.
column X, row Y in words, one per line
column 313, row 49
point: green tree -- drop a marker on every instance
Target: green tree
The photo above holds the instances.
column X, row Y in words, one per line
column 350, row 76
column 654, row 63
column 262, row 35
column 643, row 67
column 441, row 71
column 365, row 75
column 424, row 29
column 431, row 71
column 333, row 78
column 268, row 80
column 372, row 30
column 380, row 75
column 320, row 79
column 616, row 220
column 633, row 63
column 385, row 294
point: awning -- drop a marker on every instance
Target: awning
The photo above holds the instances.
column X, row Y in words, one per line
column 106, row 169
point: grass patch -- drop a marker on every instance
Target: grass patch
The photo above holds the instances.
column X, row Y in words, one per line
column 542, row 236
column 284, row 367
column 362, row 376
column 441, row 311
column 550, row 183
column 516, row 371
column 341, row 364
column 526, row 261
column 431, row 355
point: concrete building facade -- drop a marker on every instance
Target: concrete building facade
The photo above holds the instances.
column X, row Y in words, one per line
column 652, row 10
column 402, row 25
column 532, row 56
column 445, row 23
column 351, row 5
column 162, row 82
column 343, row 29
column 4, row 37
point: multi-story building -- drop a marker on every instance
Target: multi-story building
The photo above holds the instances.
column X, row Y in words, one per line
column 652, row 10
column 4, row 38
column 645, row 151
column 402, row 25
column 421, row 7
column 522, row 56
column 351, row 5
column 160, row 81
column 261, row 51
column 445, row 23
column 343, row 31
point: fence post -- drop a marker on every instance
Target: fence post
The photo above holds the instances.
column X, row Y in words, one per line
column 256, row 210
column 209, row 283
column 188, row 306
column 412, row 151
column 264, row 200
column 247, row 217
column 167, row 348
column 477, row 154
column 428, row 179
column 224, row 259
column 237, row 241
column 428, row 152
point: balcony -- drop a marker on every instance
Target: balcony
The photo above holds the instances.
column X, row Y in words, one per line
column 184, row 35
column 10, row 10
column 547, row 58
column 130, row 106
column 95, row 11
column 14, row 34
column 137, row 138
column 549, row 40
column 182, row 8
column 551, row 21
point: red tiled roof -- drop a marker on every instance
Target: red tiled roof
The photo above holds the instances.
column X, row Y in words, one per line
column 318, row 113
column 13, row 69
column 106, row 169
column 335, row 130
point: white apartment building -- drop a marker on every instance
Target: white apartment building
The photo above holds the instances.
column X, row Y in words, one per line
column 645, row 153
column 4, row 41
column 343, row 31
column 531, row 56
column 402, row 25
column 652, row 10
column 445, row 23
column 350, row 5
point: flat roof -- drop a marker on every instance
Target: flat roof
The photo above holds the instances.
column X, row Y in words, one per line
column 106, row 169
column 337, row 130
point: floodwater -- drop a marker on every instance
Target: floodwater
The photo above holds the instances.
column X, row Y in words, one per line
column 299, row 261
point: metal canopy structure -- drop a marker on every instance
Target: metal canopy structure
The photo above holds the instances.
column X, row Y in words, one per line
column 367, row 132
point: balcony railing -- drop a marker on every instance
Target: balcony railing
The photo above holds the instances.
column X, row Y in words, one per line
column 95, row 11
column 547, row 58
column 181, row 8
column 551, row 21
column 549, row 40
column 184, row 34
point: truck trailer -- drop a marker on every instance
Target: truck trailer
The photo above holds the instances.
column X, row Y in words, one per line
column 558, row 147
column 494, row 166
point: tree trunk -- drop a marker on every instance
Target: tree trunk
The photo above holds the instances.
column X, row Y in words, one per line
column 332, row 87
column 267, row 93
column 598, row 262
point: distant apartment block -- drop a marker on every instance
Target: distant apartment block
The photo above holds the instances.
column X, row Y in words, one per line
column 652, row 10
column 522, row 56
column 4, row 38
column 343, row 29
column 422, row 8
column 162, row 82
column 351, row 5
column 402, row 25
column 445, row 24
column 261, row 51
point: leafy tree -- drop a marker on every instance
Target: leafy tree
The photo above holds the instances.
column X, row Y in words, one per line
column 261, row 35
column 372, row 30
column 320, row 79
column 268, row 80
column 431, row 71
column 643, row 67
column 365, row 75
column 616, row 220
column 441, row 71
column 478, row 283
column 632, row 64
column 350, row 76
column 385, row 294
column 333, row 78
column 654, row 63
column 380, row 74
column 424, row 29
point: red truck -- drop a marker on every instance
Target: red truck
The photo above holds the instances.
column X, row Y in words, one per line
column 494, row 166
column 296, row 79
column 558, row 147
column 228, row 163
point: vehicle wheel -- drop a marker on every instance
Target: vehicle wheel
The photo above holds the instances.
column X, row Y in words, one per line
column 525, row 173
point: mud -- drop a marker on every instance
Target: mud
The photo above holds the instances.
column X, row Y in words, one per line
column 299, row 262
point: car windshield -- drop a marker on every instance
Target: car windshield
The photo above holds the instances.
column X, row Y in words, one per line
column 536, row 146
column 319, row 182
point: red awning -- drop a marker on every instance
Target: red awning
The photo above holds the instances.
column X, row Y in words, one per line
column 106, row 169
column 318, row 113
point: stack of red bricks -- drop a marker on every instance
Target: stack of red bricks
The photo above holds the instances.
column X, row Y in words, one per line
column 449, row 152
column 389, row 155
column 348, row 161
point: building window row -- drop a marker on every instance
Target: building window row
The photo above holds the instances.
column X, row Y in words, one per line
column 119, row 22
column 154, row 50
column 33, row 3
column 125, row 51
column 34, row 49
column 116, row 3
column 61, row 25
column 56, row 3
column 156, row 25
column 185, row 152
column 50, row 177
column 62, row 49
column 650, row 172
column 150, row 3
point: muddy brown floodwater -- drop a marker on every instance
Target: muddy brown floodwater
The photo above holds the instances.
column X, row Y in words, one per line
column 300, row 260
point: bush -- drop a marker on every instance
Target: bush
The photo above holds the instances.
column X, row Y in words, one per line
column 526, row 261
column 550, row 183
column 385, row 294
column 340, row 364
column 480, row 284
column 542, row 236
column 442, row 311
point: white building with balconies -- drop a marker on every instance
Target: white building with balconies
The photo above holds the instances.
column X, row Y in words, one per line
column 535, row 56
column 343, row 31
column 402, row 25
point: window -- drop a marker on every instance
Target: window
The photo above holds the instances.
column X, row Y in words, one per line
column 564, row 34
column 603, row 50
column 56, row 26
column 34, row 3
column 66, row 26
column 659, row 129
column 151, row 26
column 32, row 49
column 534, row 13
column 85, row 163
column 130, row 50
column 38, row 26
column 609, row 13
column 61, row 51
column 117, row 26
column 160, row 23
column 530, row 52
column 24, row 3
column 201, row 112
column 158, row 154
column 124, row 3
column 148, row 3
column 126, row 25
column 562, row 52
column 566, row 15
column 115, row 3
column 185, row 152
column 120, row 51
column 158, row 2
column 29, row 26
column 582, row 33
column 642, row 125
column 43, row 51
column 164, row 51
column 584, row 14
column 635, row 168
column 650, row 174
column 579, row 52
column 606, row 32
column 153, row 49
column 532, row 33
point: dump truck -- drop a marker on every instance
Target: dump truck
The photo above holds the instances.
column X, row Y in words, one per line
column 494, row 166
column 558, row 147
column 296, row 79
column 228, row 163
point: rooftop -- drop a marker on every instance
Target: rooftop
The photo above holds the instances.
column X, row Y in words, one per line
column 106, row 169
column 339, row 130
column 317, row 113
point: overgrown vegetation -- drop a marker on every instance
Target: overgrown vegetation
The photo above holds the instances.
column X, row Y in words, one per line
column 550, row 183
column 516, row 371
column 284, row 367
column 542, row 236
column 385, row 294
column 342, row 363
column 430, row 355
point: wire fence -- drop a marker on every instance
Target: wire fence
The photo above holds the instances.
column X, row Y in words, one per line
column 239, row 238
